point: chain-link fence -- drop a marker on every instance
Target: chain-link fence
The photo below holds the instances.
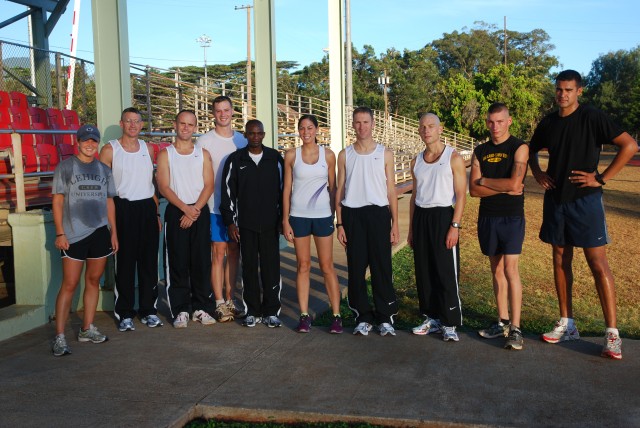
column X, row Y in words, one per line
column 44, row 75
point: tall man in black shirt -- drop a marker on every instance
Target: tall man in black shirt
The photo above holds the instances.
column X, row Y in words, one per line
column 498, row 168
column 573, row 214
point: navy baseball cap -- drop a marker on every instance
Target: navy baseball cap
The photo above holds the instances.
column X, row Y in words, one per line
column 88, row 132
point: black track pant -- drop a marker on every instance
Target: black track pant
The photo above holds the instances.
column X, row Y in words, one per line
column 188, row 260
column 368, row 232
column 261, row 248
column 138, row 234
column 437, row 268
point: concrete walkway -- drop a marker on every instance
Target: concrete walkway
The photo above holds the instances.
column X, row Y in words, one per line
column 164, row 377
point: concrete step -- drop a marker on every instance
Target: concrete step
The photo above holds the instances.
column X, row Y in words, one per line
column 17, row 319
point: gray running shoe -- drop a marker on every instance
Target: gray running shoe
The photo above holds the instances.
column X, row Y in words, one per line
column 561, row 333
column 271, row 321
column 497, row 329
column 362, row 329
column 250, row 321
column 428, row 326
column 235, row 309
column 514, row 340
column 91, row 335
column 223, row 313
column 386, row 328
column 126, row 324
column 60, row 346
column 449, row 333
column 151, row 321
column 181, row 320
column 612, row 346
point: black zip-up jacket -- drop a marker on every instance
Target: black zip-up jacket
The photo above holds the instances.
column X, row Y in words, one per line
column 252, row 194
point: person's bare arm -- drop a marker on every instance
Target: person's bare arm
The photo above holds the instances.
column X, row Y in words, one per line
column 460, row 189
column 627, row 148
column 57, row 206
column 483, row 186
column 342, row 237
column 289, row 159
column 412, row 204
column 389, row 169
column 106, row 155
column 111, row 218
column 330, row 157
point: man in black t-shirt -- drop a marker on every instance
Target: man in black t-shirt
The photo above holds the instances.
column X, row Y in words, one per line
column 573, row 213
column 498, row 168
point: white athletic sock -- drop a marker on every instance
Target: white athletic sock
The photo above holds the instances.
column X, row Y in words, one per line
column 219, row 302
column 612, row 330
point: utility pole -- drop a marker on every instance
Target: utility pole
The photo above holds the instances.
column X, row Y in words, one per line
column 248, row 8
column 505, row 40
column 205, row 42
column 348, row 61
column 384, row 81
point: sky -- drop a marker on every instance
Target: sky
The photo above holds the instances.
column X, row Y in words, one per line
column 163, row 33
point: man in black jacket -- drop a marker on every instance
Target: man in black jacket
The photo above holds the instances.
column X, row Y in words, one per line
column 251, row 207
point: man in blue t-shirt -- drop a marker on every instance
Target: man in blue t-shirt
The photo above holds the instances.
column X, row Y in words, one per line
column 573, row 213
column 498, row 168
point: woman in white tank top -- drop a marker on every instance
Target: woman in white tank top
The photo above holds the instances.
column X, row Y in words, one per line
column 308, row 194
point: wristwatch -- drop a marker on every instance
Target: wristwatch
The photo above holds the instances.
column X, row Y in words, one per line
column 456, row 225
column 599, row 179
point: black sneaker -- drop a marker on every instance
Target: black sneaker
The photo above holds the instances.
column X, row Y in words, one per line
column 497, row 329
column 514, row 340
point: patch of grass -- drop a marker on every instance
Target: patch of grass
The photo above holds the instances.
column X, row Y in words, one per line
column 539, row 303
column 212, row 423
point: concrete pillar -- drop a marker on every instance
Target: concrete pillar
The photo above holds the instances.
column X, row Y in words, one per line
column 41, row 60
column 336, row 76
column 111, row 52
column 266, row 84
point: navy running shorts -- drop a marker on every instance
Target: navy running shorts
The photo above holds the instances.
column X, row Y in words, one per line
column 501, row 235
column 580, row 223
column 95, row 246
column 303, row 226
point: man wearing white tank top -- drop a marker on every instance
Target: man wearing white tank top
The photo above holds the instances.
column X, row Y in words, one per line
column 367, row 224
column 138, row 223
column 185, row 178
column 437, row 201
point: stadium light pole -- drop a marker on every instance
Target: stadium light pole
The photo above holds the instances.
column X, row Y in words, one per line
column 205, row 42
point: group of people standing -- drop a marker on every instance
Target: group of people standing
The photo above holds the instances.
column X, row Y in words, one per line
column 229, row 196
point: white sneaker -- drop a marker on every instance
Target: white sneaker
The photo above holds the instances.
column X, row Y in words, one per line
column 203, row 317
column 428, row 326
column 449, row 333
column 386, row 328
column 561, row 333
column 363, row 329
column 181, row 320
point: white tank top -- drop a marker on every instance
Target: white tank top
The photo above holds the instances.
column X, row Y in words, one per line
column 366, row 181
column 132, row 172
column 310, row 197
column 186, row 174
column 434, row 181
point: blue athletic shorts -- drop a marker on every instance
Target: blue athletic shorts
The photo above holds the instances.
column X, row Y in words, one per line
column 501, row 235
column 580, row 223
column 218, row 229
column 95, row 246
column 303, row 226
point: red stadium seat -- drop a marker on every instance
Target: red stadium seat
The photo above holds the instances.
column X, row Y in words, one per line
column 20, row 121
column 38, row 115
column 5, row 123
column 55, row 117
column 18, row 99
column 48, row 156
column 29, row 158
column 67, row 150
column 62, row 138
column 70, row 117
column 42, row 138
column 5, row 101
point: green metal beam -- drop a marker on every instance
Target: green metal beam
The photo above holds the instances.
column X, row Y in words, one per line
column 266, row 83
column 57, row 12
column 111, row 52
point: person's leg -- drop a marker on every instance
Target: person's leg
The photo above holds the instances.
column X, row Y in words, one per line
column 599, row 265
column 148, row 258
column 384, row 295
column 125, row 259
column 177, row 262
column 200, row 263
column 93, row 272
column 422, row 262
column 231, row 269
column 512, row 273
column 353, row 222
column 500, row 285
column 302, row 246
column 324, row 247
column 251, row 289
column 71, row 271
column 270, row 272
column 218, row 249
column 563, row 278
